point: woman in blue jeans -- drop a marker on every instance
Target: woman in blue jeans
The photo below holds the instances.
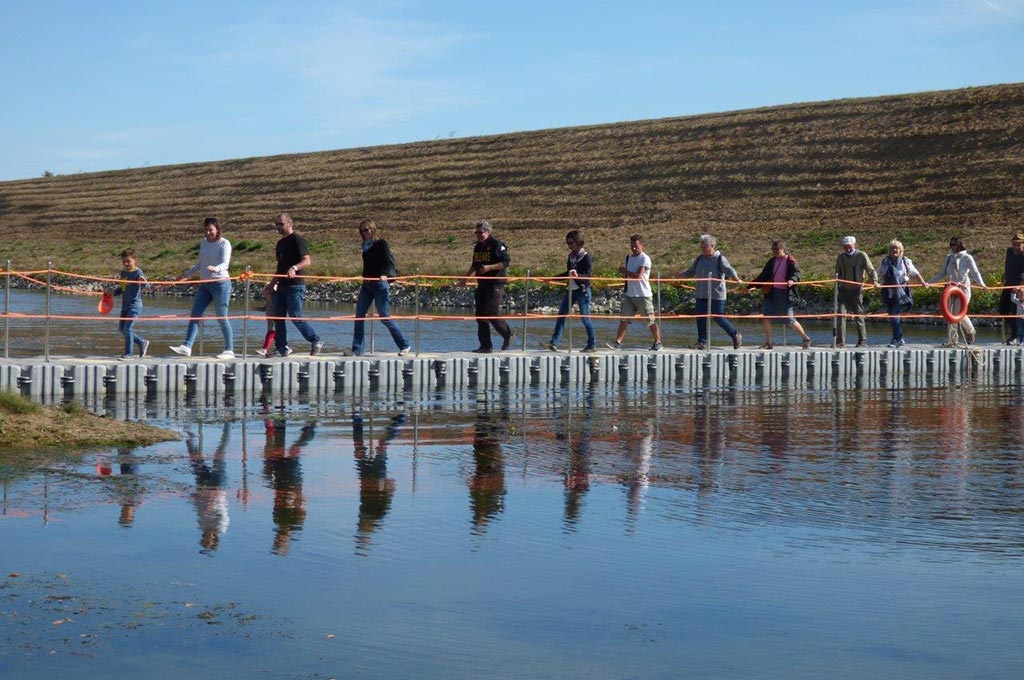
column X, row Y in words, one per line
column 214, row 286
column 378, row 267
column 712, row 270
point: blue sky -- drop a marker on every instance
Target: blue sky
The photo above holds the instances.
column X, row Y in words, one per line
column 107, row 85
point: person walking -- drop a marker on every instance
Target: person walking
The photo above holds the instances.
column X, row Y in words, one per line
column 779, row 276
column 958, row 269
column 378, row 267
column 639, row 299
column 1013, row 277
column 578, row 267
column 895, row 270
column 214, row 287
column 130, row 290
column 288, row 288
column 711, row 270
column 852, row 266
column 490, row 261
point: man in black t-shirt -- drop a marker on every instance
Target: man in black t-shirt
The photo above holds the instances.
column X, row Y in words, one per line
column 490, row 260
column 288, row 288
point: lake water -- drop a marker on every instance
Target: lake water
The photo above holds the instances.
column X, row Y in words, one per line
column 601, row 533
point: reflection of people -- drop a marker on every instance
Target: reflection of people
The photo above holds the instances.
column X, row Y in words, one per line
column 852, row 266
column 783, row 273
column 490, row 261
column 957, row 270
column 578, row 267
column 577, row 476
column 289, row 287
column 712, row 270
column 639, row 298
column 1013, row 275
column 487, row 486
column 376, row 489
column 283, row 472
column 214, row 286
column 128, row 490
column 640, row 449
column 378, row 266
column 210, row 495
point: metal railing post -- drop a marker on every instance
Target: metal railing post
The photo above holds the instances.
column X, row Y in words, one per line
column 568, row 312
column 835, row 311
column 417, row 322
column 49, row 286
column 245, row 319
column 7, row 312
column 526, row 307
column 371, row 314
column 707, row 321
column 658, row 281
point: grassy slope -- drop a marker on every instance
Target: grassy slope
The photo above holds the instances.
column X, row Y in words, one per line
column 919, row 167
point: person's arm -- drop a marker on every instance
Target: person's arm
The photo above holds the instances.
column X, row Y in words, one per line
column 870, row 269
column 976, row 273
column 942, row 272
column 730, row 273
column 222, row 258
column 294, row 270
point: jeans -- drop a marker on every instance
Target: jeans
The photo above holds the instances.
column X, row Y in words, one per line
column 288, row 302
column 581, row 297
column 488, row 300
column 894, row 310
column 126, row 327
column 377, row 293
column 703, row 327
column 219, row 293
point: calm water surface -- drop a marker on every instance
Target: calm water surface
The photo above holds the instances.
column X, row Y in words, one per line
column 550, row 534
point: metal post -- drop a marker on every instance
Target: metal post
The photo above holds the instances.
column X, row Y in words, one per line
column 658, row 281
column 707, row 321
column 245, row 319
column 417, row 322
column 7, row 312
column 526, row 307
column 568, row 311
column 371, row 313
column 46, row 342
column 835, row 311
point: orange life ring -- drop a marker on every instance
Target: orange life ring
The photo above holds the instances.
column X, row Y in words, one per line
column 947, row 312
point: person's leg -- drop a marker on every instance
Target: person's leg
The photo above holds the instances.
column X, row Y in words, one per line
column 483, row 326
column 843, row 308
column 363, row 303
column 583, row 300
column 1019, row 321
column 718, row 309
column 703, row 325
column 894, row 310
column 296, row 296
column 382, row 300
column 200, row 302
column 500, row 325
column 221, row 298
column 862, row 329
column 280, row 302
column 563, row 309
column 124, row 327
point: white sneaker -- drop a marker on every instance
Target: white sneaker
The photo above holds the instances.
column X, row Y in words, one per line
column 316, row 348
column 226, row 354
column 262, row 352
column 404, row 351
column 183, row 350
column 145, row 348
column 125, row 357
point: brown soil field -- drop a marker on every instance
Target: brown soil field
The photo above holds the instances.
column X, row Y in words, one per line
column 919, row 167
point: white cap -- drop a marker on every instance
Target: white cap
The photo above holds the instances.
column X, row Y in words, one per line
column 848, row 241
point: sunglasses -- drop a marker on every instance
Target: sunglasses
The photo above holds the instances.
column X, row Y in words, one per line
column 480, row 232
column 278, row 224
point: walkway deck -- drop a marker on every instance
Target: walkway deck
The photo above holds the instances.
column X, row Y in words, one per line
column 781, row 368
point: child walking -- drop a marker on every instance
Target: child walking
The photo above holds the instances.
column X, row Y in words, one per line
column 130, row 291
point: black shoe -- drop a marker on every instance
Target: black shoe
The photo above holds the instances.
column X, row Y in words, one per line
column 482, row 350
column 507, row 342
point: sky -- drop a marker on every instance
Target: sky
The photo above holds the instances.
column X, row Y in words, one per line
column 105, row 85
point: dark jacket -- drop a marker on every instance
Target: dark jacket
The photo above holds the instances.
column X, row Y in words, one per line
column 792, row 274
column 583, row 268
column 378, row 261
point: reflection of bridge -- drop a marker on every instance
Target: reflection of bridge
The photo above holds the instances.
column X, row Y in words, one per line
column 778, row 369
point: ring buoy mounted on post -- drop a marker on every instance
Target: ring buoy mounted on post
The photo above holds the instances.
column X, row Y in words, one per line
column 944, row 304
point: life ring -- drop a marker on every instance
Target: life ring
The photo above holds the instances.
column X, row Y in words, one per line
column 944, row 304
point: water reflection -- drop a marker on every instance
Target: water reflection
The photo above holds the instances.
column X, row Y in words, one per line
column 282, row 471
column 376, row 489
column 487, row 481
column 210, row 494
